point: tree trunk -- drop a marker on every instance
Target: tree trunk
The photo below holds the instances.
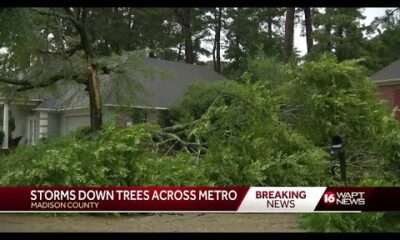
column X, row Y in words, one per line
column 179, row 52
column 152, row 47
column 187, row 33
column 152, row 54
column 328, row 29
column 289, row 29
column 309, row 30
column 93, row 88
column 96, row 119
column 218, row 40
column 339, row 51
column 213, row 53
column 269, row 21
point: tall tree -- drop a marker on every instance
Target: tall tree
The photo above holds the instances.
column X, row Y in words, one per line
column 65, row 49
column 193, row 30
column 184, row 16
column 242, row 38
column 308, row 27
column 289, row 32
column 217, row 40
column 382, row 47
column 157, row 32
column 339, row 30
column 272, row 30
column 78, row 19
column 251, row 32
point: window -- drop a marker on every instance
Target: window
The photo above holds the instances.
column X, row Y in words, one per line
column 139, row 115
column 32, row 129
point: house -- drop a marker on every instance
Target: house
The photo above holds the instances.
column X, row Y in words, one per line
column 159, row 85
column 388, row 85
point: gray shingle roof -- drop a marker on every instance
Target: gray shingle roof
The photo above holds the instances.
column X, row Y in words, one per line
column 392, row 71
column 159, row 83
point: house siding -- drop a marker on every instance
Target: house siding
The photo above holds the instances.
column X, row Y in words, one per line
column 53, row 126
column 69, row 120
column 109, row 115
column 43, row 121
column 20, row 114
column 64, row 122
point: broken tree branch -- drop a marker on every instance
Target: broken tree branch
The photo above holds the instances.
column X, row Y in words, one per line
column 379, row 21
column 68, row 53
column 176, row 138
column 27, row 85
column 14, row 81
column 52, row 14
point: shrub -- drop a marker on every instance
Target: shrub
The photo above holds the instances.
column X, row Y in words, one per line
column 346, row 222
column 335, row 96
column 246, row 142
column 267, row 71
column 82, row 132
column 328, row 97
column 180, row 170
column 113, row 157
column 23, row 168
column 332, row 96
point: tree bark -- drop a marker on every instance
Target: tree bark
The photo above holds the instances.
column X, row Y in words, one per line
column 187, row 33
column 179, row 52
column 217, row 66
column 93, row 88
column 96, row 118
column 213, row 53
column 152, row 54
column 328, row 29
column 309, row 30
column 269, row 22
column 289, row 29
column 339, row 52
column 152, row 47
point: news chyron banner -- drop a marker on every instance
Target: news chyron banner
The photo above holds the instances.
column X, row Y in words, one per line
column 199, row 199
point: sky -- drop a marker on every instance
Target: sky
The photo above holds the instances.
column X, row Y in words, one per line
column 300, row 42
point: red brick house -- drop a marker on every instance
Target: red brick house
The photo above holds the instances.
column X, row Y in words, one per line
column 388, row 83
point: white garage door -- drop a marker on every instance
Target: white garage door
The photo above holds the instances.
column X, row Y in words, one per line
column 73, row 122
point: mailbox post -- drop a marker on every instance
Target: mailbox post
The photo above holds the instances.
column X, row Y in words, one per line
column 339, row 150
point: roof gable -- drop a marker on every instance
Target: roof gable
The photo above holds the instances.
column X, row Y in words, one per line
column 390, row 72
column 161, row 85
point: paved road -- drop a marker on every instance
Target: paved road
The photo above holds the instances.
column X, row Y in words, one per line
column 152, row 223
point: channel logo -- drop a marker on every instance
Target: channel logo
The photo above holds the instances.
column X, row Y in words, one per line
column 329, row 198
column 344, row 198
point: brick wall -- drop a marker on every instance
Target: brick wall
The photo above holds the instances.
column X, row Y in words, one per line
column 123, row 119
column 387, row 93
column 152, row 116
